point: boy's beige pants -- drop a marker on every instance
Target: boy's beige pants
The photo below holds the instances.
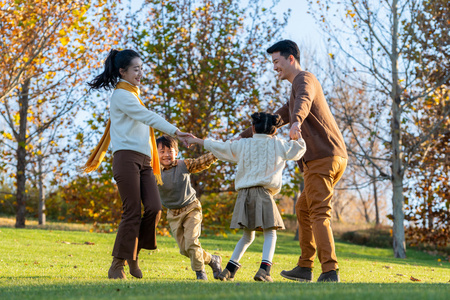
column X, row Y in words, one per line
column 186, row 224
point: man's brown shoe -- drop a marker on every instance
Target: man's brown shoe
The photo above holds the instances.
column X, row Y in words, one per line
column 298, row 274
column 331, row 276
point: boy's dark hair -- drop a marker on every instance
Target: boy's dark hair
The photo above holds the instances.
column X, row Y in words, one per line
column 110, row 76
column 167, row 141
column 286, row 48
column 266, row 123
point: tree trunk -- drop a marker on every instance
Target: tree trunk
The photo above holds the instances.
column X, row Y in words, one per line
column 337, row 214
column 297, row 195
column 366, row 212
column 41, row 215
column 22, row 156
column 399, row 246
column 375, row 198
column 430, row 215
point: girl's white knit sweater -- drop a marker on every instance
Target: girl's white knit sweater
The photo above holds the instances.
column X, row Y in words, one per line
column 260, row 159
column 130, row 122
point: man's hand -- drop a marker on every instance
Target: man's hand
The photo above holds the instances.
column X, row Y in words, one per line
column 295, row 133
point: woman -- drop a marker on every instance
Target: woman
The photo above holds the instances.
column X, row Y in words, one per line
column 135, row 161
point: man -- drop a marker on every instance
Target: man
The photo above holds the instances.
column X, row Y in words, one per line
column 323, row 163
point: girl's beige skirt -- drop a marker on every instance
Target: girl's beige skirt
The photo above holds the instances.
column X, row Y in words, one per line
column 255, row 209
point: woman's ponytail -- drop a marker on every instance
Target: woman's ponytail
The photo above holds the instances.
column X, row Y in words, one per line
column 110, row 76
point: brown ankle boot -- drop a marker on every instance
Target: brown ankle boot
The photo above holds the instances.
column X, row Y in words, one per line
column 134, row 268
column 116, row 270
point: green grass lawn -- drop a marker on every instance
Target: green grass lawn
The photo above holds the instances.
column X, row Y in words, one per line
column 54, row 264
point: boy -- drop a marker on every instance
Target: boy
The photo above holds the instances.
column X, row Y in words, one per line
column 184, row 212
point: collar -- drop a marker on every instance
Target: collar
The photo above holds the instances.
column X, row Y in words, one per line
column 174, row 164
column 123, row 80
column 262, row 136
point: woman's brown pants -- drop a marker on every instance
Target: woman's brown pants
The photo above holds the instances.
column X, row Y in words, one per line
column 136, row 182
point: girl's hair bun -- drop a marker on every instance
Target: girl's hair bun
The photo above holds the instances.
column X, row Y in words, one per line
column 266, row 123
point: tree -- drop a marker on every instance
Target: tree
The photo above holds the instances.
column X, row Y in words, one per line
column 429, row 200
column 360, row 120
column 206, row 68
column 376, row 51
column 46, row 47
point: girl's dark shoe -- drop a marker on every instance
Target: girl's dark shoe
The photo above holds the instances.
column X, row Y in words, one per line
column 262, row 275
column 116, row 269
column 134, row 268
column 331, row 276
column 298, row 274
column 227, row 274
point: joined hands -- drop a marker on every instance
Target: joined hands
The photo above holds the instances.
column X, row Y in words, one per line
column 194, row 140
column 184, row 136
column 188, row 138
column 295, row 133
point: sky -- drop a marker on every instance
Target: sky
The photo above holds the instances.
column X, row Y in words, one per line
column 301, row 27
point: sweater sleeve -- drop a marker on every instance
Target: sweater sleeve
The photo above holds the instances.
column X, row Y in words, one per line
column 195, row 165
column 222, row 150
column 284, row 113
column 304, row 91
column 293, row 150
column 130, row 105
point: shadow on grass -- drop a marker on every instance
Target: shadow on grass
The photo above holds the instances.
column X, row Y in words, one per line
column 345, row 250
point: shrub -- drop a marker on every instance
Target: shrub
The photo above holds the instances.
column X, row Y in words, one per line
column 373, row 237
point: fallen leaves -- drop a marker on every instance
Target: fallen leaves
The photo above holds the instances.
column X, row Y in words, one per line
column 69, row 243
column 414, row 279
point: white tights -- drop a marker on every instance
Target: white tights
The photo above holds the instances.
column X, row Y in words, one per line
column 270, row 240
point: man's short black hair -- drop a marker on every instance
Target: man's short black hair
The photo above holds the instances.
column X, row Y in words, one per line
column 286, row 48
column 167, row 141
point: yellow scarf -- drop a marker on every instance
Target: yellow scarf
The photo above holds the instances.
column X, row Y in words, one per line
column 99, row 152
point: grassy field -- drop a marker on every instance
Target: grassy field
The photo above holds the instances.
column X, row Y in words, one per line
column 55, row 264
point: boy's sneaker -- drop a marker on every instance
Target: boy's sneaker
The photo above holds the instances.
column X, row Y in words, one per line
column 262, row 275
column 298, row 274
column 201, row 275
column 216, row 265
column 331, row 276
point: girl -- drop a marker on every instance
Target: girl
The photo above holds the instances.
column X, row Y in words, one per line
column 135, row 158
column 260, row 162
